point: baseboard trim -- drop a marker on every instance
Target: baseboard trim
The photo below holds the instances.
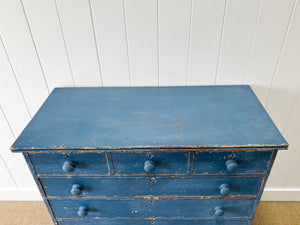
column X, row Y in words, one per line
column 34, row 195
column 287, row 194
column 20, row 195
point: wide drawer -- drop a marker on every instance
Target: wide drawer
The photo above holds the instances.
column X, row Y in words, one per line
column 233, row 208
column 69, row 163
column 231, row 162
column 154, row 186
column 157, row 222
column 165, row 163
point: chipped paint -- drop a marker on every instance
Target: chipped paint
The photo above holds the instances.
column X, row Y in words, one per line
column 282, row 146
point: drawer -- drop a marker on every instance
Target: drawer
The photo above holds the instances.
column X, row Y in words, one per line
column 231, row 162
column 154, row 163
column 233, row 208
column 156, row 222
column 128, row 187
column 69, row 164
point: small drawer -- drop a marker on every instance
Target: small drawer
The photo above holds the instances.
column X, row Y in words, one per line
column 167, row 187
column 205, row 208
column 231, row 162
column 150, row 163
column 156, row 222
column 48, row 164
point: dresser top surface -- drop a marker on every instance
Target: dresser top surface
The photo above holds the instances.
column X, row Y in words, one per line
column 202, row 117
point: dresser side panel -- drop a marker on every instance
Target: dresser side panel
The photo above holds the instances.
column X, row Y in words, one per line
column 39, row 185
column 265, row 178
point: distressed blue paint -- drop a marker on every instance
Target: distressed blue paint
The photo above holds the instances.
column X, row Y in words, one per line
column 166, row 163
column 215, row 163
column 89, row 163
column 103, row 137
column 157, row 222
column 128, row 187
column 150, row 117
column 39, row 185
column 234, row 208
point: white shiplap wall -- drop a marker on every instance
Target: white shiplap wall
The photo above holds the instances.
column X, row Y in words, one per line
column 56, row 43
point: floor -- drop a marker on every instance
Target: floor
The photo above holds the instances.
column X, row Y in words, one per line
column 35, row 213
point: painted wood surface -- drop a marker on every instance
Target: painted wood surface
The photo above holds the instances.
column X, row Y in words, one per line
column 248, row 162
column 49, row 164
column 174, row 19
column 141, row 21
column 236, row 208
column 78, row 30
column 157, row 222
column 165, row 163
column 46, row 31
column 153, row 187
column 164, row 117
column 205, row 40
column 111, row 38
column 238, row 29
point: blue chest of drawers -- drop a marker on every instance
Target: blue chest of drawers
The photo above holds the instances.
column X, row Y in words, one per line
column 151, row 155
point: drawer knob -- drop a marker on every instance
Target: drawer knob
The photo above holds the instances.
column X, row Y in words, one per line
column 219, row 210
column 224, row 189
column 76, row 189
column 83, row 211
column 68, row 166
column 149, row 166
column 231, row 165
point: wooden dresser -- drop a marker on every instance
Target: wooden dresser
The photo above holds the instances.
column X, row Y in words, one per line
column 151, row 155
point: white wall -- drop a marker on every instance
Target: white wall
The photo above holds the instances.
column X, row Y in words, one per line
column 57, row 43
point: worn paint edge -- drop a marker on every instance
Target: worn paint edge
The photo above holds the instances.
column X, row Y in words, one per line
column 144, row 150
column 283, row 146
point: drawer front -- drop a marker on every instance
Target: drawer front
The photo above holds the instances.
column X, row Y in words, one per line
column 237, row 208
column 156, row 222
column 164, row 163
column 241, row 162
column 126, row 187
column 62, row 164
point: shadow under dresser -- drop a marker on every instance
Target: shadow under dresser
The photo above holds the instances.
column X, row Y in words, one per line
column 151, row 155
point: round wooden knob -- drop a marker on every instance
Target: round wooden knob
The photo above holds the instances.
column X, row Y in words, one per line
column 83, row 211
column 68, row 166
column 219, row 210
column 76, row 189
column 149, row 166
column 224, row 189
column 231, row 165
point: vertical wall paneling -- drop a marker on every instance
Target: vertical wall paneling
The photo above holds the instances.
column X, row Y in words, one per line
column 44, row 23
column 21, row 50
column 11, row 98
column 239, row 25
column 77, row 26
column 16, row 114
column 111, row 38
column 292, row 132
column 5, row 176
column 174, row 38
column 141, row 28
column 206, row 28
column 282, row 97
column 15, row 162
column 271, row 29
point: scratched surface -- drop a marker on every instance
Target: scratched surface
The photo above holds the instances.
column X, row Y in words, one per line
column 151, row 117
column 151, row 187
column 234, row 208
column 248, row 162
